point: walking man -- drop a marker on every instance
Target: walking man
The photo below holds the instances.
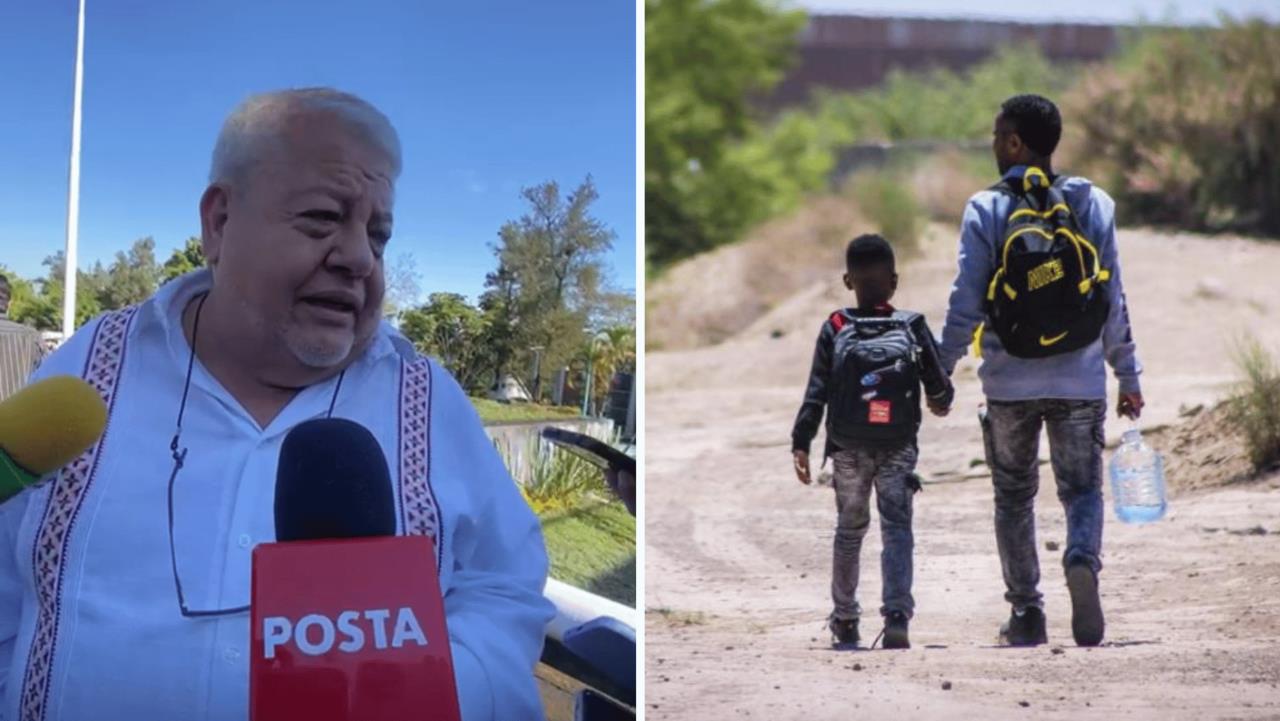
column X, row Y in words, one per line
column 1039, row 297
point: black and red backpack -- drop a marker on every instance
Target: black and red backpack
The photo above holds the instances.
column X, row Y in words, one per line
column 874, row 388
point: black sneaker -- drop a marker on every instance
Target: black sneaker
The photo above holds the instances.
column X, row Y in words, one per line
column 895, row 630
column 1087, row 624
column 844, row 631
column 1025, row 628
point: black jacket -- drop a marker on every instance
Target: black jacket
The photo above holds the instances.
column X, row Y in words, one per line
column 937, row 386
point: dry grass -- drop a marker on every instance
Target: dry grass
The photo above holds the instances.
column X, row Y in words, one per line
column 710, row 297
column 679, row 619
column 1255, row 410
column 891, row 208
column 1204, row 450
column 943, row 182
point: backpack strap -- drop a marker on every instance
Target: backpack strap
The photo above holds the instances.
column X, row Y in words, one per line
column 1003, row 187
column 838, row 320
column 906, row 316
column 1033, row 179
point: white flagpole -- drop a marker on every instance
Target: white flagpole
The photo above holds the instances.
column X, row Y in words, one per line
column 73, row 194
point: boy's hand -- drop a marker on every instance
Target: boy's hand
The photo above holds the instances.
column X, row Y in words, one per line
column 800, row 460
column 936, row 408
column 1130, row 405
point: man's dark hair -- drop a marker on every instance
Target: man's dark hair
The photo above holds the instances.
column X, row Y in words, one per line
column 1036, row 120
column 867, row 250
column 4, row 293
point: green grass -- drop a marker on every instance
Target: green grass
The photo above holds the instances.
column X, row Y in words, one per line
column 1256, row 408
column 495, row 412
column 593, row 547
column 560, row 481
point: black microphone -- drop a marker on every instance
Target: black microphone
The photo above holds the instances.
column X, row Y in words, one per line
column 332, row 483
column 347, row 620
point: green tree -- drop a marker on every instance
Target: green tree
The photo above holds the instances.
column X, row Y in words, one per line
column 183, row 260
column 550, row 275
column 616, row 308
column 453, row 331
column 612, row 350
column 499, row 306
column 132, row 277
column 704, row 61
column 23, row 298
column 403, row 288
column 45, row 312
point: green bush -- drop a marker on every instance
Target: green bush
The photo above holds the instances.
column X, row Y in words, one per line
column 713, row 171
column 704, row 61
column 1183, row 128
column 892, row 208
column 1255, row 410
column 559, row 480
column 944, row 105
column 944, row 181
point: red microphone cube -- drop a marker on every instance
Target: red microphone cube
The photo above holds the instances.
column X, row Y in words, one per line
column 349, row 629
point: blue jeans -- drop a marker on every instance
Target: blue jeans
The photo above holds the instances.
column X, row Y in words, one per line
column 856, row 471
column 1011, row 432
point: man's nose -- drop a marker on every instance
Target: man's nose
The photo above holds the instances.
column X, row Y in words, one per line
column 353, row 252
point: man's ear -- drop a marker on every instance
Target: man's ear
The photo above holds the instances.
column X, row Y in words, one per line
column 214, row 212
column 1019, row 149
column 848, row 282
column 893, row 282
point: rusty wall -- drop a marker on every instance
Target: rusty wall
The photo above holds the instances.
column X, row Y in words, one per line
column 843, row 52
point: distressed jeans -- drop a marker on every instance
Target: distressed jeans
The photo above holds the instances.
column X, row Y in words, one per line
column 1011, row 432
column 856, row 471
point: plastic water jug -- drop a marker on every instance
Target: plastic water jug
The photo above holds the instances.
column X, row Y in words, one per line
column 1137, row 480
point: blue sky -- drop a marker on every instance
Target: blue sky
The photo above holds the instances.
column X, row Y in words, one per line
column 488, row 97
column 1104, row 11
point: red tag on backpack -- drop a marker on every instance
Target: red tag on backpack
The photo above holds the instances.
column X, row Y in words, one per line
column 881, row 412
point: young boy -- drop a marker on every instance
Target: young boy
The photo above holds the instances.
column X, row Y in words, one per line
column 868, row 367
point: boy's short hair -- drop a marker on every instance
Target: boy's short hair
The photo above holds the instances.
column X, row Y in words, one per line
column 1036, row 120
column 866, row 250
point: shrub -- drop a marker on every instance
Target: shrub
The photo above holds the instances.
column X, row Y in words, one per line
column 1182, row 128
column 557, row 479
column 943, row 182
column 891, row 208
column 1255, row 410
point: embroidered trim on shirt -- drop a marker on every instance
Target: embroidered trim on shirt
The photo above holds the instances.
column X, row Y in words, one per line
column 418, row 508
column 66, row 494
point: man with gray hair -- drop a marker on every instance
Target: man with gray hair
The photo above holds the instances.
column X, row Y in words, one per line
column 20, row 347
column 284, row 326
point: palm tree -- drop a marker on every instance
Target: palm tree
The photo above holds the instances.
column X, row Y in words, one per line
column 609, row 351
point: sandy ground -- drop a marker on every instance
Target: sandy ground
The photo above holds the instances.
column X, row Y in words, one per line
column 738, row 552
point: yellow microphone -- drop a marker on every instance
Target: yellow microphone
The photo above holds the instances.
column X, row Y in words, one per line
column 45, row 426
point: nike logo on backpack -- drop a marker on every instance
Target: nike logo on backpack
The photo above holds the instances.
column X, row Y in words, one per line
column 1046, row 342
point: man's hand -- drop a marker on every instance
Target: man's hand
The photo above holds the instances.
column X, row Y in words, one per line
column 800, row 460
column 936, row 408
column 1130, row 405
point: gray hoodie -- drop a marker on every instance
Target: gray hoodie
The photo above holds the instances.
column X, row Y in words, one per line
column 1078, row 375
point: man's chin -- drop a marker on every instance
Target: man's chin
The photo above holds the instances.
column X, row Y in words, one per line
column 322, row 350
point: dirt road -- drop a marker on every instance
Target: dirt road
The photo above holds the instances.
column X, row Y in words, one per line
column 738, row 553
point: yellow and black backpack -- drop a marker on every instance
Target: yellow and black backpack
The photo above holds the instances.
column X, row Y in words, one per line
column 1048, row 294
